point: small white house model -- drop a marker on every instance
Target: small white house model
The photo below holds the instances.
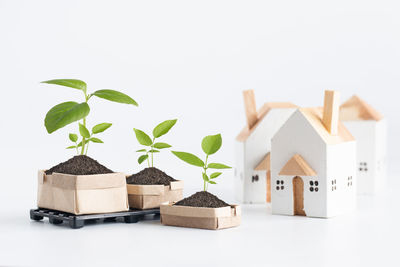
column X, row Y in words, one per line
column 369, row 128
column 252, row 147
column 313, row 163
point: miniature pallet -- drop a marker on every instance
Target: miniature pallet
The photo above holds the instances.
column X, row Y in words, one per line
column 78, row 221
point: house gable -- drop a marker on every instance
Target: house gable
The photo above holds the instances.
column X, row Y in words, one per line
column 297, row 122
column 357, row 109
column 265, row 164
column 314, row 117
column 297, row 166
column 262, row 113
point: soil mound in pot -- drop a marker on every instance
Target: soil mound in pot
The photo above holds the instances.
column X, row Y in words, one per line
column 80, row 165
column 150, row 176
column 202, row 199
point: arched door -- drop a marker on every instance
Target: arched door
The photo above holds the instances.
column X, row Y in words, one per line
column 298, row 196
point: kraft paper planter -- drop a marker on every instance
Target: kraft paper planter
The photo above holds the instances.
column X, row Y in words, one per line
column 204, row 218
column 82, row 194
column 152, row 196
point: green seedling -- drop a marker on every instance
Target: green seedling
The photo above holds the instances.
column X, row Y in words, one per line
column 66, row 113
column 210, row 145
column 151, row 145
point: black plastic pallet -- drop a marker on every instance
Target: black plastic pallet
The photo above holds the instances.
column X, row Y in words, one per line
column 78, row 221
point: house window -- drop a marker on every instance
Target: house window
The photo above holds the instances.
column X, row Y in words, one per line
column 280, row 182
column 333, row 185
column 363, row 167
column 314, row 186
column 254, row 178
column 350, row 181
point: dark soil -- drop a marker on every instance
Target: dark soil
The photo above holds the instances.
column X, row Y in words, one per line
column 150, row 176
column 80, row 165
column 202, row 199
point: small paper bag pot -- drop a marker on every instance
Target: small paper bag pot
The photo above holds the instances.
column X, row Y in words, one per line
column 152, row 196
column 204, row 218
column 82, row 194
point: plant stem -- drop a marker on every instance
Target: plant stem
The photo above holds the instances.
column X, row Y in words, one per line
column 152, row 148
column 152, row 161
column 204, row 185
column 205, row 171
column 87, row 148
column 84, row 124
column 83, row 139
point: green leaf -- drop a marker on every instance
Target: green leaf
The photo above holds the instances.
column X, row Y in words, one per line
column 153, row 151
column 163, row 128
column 95, row 140
column 141, row 150
column 189, row 158
column 73, row 83
column 211, row 144
column 143, row 138
column 99, row 128
column 212, row 182
column 73, row 137
column 64, row 114
column 84, row 131
column 161, row 145
column 215, row 175
column 80, row 144
column 205, row 177
column 218, row 166
column 70, row 147
column 142, row 158
column 115, row 96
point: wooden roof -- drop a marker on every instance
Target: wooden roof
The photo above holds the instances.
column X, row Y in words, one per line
column 297, row 166
column 357, row 109
column 262, row 112
column 314, row 116
column 265, row 164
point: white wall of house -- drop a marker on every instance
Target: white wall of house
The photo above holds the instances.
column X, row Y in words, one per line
column 258, row 187
column 297, row 136
column 251, row 152
column 283, row 202
column 381, row 156
column 341, row 178
column 371, row 154
column 239, row 171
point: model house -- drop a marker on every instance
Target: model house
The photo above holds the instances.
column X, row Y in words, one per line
column 253, row 144
column 369, row 128
column 313, row 163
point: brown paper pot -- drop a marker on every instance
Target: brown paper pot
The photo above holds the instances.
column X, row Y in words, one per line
column 82, row 194
column 152, row 196
column 204, row 218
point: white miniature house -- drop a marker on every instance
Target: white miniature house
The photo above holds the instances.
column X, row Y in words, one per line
column 368, row 126
column 313, row 163
column 252, row 147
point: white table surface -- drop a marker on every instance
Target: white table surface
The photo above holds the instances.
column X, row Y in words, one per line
column 368, row 237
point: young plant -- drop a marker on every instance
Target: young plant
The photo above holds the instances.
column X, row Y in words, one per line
column 66, row 113
column 210, row 145
column 151, row 144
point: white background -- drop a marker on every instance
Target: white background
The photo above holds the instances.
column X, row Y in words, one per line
column 190, row 60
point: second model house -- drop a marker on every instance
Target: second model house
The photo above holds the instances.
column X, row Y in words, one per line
column 252, row 147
